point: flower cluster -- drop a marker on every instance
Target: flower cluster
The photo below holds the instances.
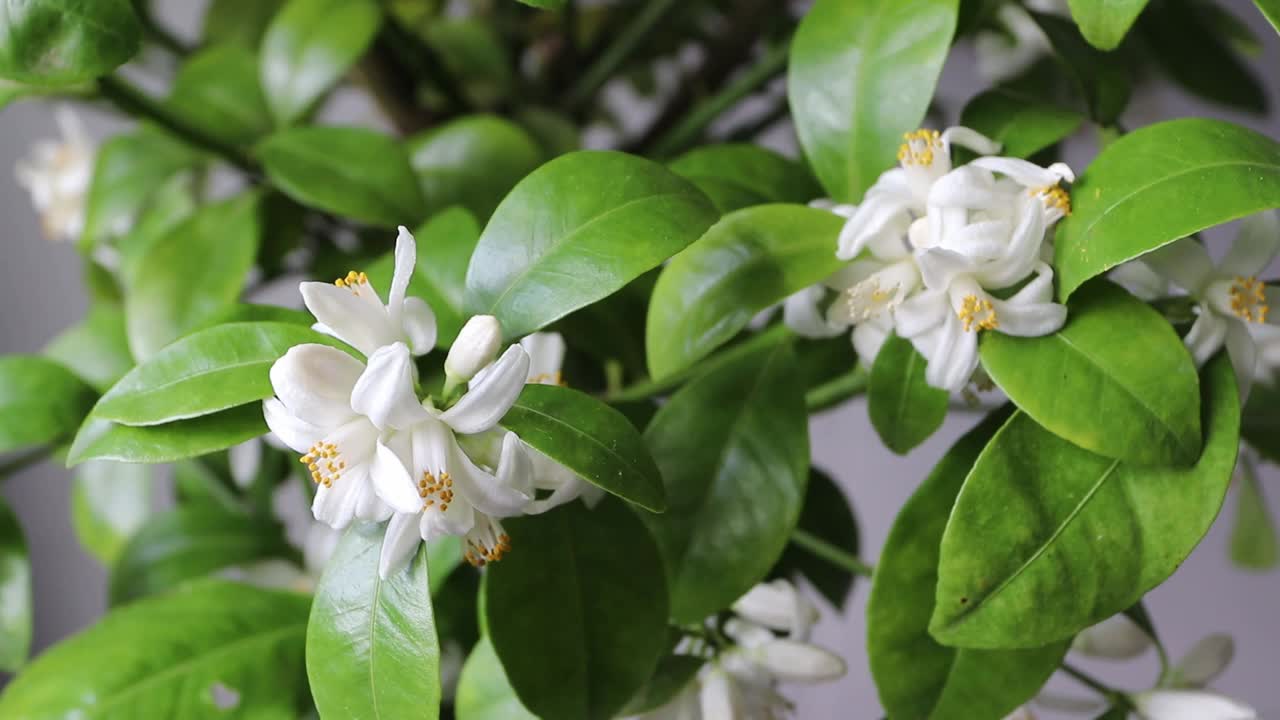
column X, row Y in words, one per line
column 377, row 452
column 931, row 243
column 57, row 175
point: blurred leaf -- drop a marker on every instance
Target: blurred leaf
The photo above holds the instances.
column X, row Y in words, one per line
column 15, row 588
column 62, row 42
column 546, row 4
column 96, row 348
column 239, row 21
column 109, row 502
column 1260, row 423
column 252, row 313
column 738, row 175
column 828, row 516
column 473, row 162
column 1022, row 124
column 1271, row 10
column 484, row 692
column 905, row 409
column 172, row 202
column 1212, row 71
column 41, row 402
column 103, row 439
column 475, row 56
column 555, row 133
column 1104, row 23
column 216, row 91
column 1102, row 78
column 1253, row 538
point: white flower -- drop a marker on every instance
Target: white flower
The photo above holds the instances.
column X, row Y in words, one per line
column 1005, row 55
column 1189, row 705
column 778, row 605
column 1267, row 339
column 476, row 346
column 350, row 310
column 1229, row 295
column 1140, row 280
column 1116, row 638
column 1203, row 663
column 57, row 175
column 245, row 460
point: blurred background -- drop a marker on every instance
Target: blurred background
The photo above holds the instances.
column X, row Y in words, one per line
column 42, row 293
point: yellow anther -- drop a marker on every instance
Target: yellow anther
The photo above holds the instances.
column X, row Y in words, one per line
column 920, row 147
column 977, row 314
column 324, row 463
column 1054, row 196
column 555, row 378
column 1249, row 299
column 353, row 281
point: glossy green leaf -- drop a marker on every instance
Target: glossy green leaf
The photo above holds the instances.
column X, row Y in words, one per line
column 1254, row 544
column 847, row 59
column 1024, row 125
column 1271, row 10
column 1104, row 23
column 1116, row 379
column 1213, row 71
column 576, row 230
column 205, row 372
column 371, row 644
column 484, row 693
column 736, row 176
column 217, row 92
column 308, row 46
column 96, row 349
column 253, row 313
column 577, row 610
column 1101, row 78
column 905, row 410
column 349, row 171
column 1039, row 519
column 191, row 542
column 105, row 440
column 828, row 516
column 15, row 588
column 733, row 447
column 1133, row 198
column 473, row 162
column 173, row 202
column 166, row 656
column 41, row 402
column 750, row 260
column 239, row 21
column 915, row 675
column 590, row 438
column 128, row 171
column 62, row 42
column 445, row 244
column 109, row 502
column 193, row 271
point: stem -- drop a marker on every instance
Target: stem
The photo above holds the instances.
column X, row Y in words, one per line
column 649, row 388
column 133, row 101
column 159, row 33
column 1111, row 694
column 837, row 390
column 22, row 461
column 688, row 130
column 830, row 553
column 616, row 54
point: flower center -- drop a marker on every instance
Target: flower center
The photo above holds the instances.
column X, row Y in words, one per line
column 867, row 298
column 554, row 378
column 1055, row 197
column 1249, row 299
column 432, row 488
column 977, row 314
column 353, row 281
column 920, row 147
column 487, row 542
column 325, row 462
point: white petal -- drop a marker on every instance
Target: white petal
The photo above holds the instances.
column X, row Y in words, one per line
column 1023, row 252
column 777, row 605
column 485, row 404
column 369, row 507
column 954, row 356
column 1140, row 280
column 245, row 459
column 1206, row 336
column 1029, row 320
column 315, row 381
column 1205, row 662
column 458, row 520
column 966, row 187
column 482, row 490
column 298, row 434
column 1255, row 246
column 399, row 544
column 868, row 338
column 921, row 313
column 393, row 483
column 1185, row 262
column 938, row 267
column 800, row 313
column 406, row 256
column 384, row 393
column 335, row 506
column 1024, row 172
column 1117, row 637
column 800, row 662
column 971, row 139
column 880, row 213
column 358, row 320
column 515, row 469
column 718, row 697
column 1190, row 705
column 476, row 345
column 546, row 355
column 419, row 325
column 1244, row 356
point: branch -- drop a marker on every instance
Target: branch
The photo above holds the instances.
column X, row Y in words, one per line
column 830, row 553
column 632, row 35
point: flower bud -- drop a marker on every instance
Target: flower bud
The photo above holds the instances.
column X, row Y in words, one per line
column 476, row 346
column 789, row 660
column 1190, row 705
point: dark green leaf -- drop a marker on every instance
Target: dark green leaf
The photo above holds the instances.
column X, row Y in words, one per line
column 309, row 46
column 350, row 171
column 1260, row 422
column 1116, row 379
column 1213, row 71
column 1104, row 23
column 239, row 21
column 62, row 42
column 738, row 176
column 1040, row 518
column 1253, row 538
column 1133, row 198
column 673, row 674
column 109, row 502
column 217, row 92
column 905, row 410
column 484, row 693
column 1102, row 78
column 577, row 611
column 105, row 440
column 750, row 260
column 165, row 656
column 590, row 438
column 473, row 53
column 41, row 402
column 576, row 230
column 828, row 516
column 473, row 162
column 846, row 60
column 1024, row 125
column 96, row 348
column 371, row 644
column 555, row 133
column 15, row 588
column 1271, row 10
column 546, row 4
column 733, row 447
column 129, row 170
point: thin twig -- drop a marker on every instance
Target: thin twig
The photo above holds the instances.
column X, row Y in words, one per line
column 631, row 37
column 830, row 553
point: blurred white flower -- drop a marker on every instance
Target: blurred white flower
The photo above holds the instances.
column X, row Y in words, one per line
column 1116, row 638
column 1189, row 705
column 1267, row 339
column 1203, row 663
column 57, row 175
column 1140, row 280
column 1004, row 54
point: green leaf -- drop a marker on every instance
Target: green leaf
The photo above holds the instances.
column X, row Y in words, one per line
column 1024, row 125
column 736, row 176
column 905, row 410
column 1253, row 538
column 556, row 133
column 192, row 272
column 1116, row 379
column 348, row 171
column 590, row 438
column 546, row 4
column 310, row 45
column 576, row 230
column 1101, row 78
column 63, row 42
column 184, row 544
column 217, row 92
column 1133, row 198
column 41, row 402
column 1104, row 23
column 1213, row 71
column 475, row 54
column 173, row 202
column 95, row 349
column 129, row 170
column 916, row 676
column 164, row 657
column 15, row 588
column 828, row 516
column 484, row 693
column 1260, row 423
column 577, row 611
column 847, row 58
column 109, row 502
column 1271, row 10
column 105, row 440
column 750, row 260
column 239, row 21
column 371, row 643
column 1040, row 518
column 252, row 313
column 473, row 162
column 733, row 447
column 210, row 370
column 445, row 244
column 673, row 674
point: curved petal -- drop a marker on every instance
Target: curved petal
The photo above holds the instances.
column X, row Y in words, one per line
column 245, row 459
column 921, row 313
column 868, row 338
column 335, row 506
column 1117, row 638
column 1207, row 335
column 399, row 544
column 1029, row 319
column 971, row 139
column 370, row 507
column 480, row 489
column 1205, row 662
column 546, row 355
column 777, row 605
column 982, row 241
column 484, row 405
column 1244, row 356
column 458, row 519
column 315, row 382
column 954, row 356
column 800, row 313
column 1023, row 251
column 1255, row 246
column 966, row 187
column 1140, row 280
column 790, row 660
column 1025, row 172
column 1184, row 261
column 298, row 434
column 419, row 323
column 718, row 697
column 406, row 256
column 384, row 393
column 359, row 320
column 939, row 268
column 879, row 213
column 515, row 468
column 1190, row 705
column 392, row 481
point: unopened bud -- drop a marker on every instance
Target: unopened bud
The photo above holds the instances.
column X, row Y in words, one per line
column 476, row 346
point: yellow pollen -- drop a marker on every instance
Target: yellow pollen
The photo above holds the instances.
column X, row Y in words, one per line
column 1249, row 299
column 353, row 281
column 555, row 378
column 920, row 147
column 970, row 310
column 1054, row 196
column 325, row 463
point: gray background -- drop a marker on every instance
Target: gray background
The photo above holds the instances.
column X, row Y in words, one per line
column 42, row 293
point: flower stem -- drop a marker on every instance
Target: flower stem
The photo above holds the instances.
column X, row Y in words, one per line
column 616, row 54
column 650, row 388
column 1115, row 697
column 838, row 389
column 830, row 553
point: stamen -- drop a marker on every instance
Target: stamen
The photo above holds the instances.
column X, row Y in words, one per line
column 920, row 147
column 970, row 309
column 867, row 298
column 1054, row 197
column 353, row 281
column 432, row 489
column 487, row 542
column 1249, row 299
column 555, row 378
column 325, row 462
